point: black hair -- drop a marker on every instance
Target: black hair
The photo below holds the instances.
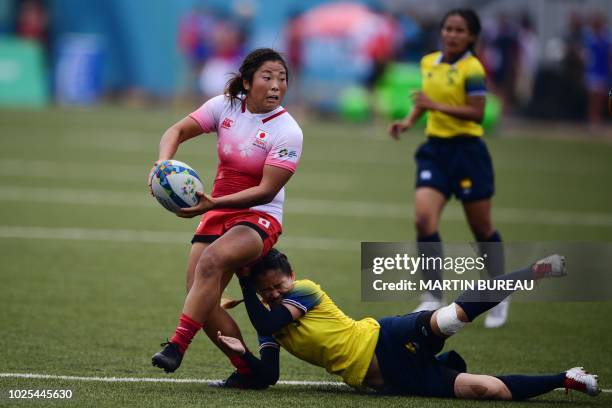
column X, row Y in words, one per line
column 471, row 20
column 250, row 64
column 274, row 259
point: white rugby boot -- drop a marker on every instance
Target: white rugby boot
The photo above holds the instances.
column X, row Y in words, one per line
column 498, row 315
column 578, row 379
column 551, row 266
column 428, row 302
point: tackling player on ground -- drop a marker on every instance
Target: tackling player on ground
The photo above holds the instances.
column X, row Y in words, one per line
column 258, row 146
column 395, row 355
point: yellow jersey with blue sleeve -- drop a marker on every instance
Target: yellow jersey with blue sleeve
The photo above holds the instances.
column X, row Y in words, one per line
column 451, row 84
column 325, row 336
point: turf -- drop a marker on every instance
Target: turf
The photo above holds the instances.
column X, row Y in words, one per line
column 84, row 307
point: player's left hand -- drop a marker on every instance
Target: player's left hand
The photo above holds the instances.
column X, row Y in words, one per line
column 150, row 177
column 421, row 100
column 206, row 203
column 231, row 343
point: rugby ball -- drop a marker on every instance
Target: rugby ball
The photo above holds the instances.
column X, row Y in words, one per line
column 174, row 185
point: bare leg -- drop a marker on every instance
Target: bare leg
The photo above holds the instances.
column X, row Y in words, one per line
column 478, row 214
column 474, row 386
column 428, row 206
column 236, row 248
column 219, row 319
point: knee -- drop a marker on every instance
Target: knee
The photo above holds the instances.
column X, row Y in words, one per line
column 482, row 230
column 210, row 266
column 491, row 389
column 496, row 389
column 425, row 224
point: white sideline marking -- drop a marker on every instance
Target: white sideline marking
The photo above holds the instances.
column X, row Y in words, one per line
column 158, row 380
column 179, row 380
column 161, row 237
column 336, row 208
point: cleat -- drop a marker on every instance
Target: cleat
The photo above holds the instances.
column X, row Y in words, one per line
column 428, row 302
column 498, row 315
column 240, row 381
column 169, row 358
column 578, row 379
column 551, row 266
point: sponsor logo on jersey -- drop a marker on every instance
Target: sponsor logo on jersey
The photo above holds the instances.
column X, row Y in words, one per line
column 261, row 139
column 287, row 154
column 227, row 123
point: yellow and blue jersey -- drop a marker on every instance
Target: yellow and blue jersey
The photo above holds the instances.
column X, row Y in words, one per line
column 451, row 84
column 325, row 336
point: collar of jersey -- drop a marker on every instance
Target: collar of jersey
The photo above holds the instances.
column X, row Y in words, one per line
column 463, row 56
column 262, row 116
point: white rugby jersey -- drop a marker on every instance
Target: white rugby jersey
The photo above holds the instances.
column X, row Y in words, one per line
column 246, row 142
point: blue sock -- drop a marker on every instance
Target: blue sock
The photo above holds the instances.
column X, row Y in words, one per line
column 431, row 246
column 526, row 386
column 476, row 302
column 493, row 247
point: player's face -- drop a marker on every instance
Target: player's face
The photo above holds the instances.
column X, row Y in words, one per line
column 273, row 285
column 267, row 90
column 455, row 36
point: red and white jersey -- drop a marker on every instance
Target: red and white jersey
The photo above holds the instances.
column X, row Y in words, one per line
column 246, row 142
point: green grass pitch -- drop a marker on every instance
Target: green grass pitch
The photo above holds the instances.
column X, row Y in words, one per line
column 92, row 269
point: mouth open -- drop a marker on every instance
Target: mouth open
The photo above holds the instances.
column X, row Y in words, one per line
column 273, row 98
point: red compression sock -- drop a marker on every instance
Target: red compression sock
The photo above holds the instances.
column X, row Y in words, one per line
column 185, row 331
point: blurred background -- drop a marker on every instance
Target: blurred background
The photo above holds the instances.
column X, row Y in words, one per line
column 546, row 59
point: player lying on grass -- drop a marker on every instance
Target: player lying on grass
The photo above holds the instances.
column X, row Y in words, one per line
column 396, row 355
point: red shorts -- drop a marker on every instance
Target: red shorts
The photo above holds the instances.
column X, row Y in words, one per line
column 217, row 222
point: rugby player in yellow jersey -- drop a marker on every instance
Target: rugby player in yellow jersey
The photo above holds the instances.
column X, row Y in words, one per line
column 395, row 355
column 454, row 160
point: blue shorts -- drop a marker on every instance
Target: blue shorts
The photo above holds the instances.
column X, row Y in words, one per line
column 406, row 352
column 459, row 166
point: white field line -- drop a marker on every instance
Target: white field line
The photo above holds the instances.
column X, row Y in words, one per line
column 158, row 380
column 336, row 208
column 160, row 237
column 178, row 380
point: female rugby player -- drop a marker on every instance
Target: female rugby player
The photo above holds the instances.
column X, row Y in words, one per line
column 395, row 355
column 258, row 146
column 454, row 160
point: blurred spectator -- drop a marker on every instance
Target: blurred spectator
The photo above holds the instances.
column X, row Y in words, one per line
column 213, row 47
column 410, row 48
column 226, row 57
column 196, row 30
column 383, row 40
column 504, row 61
column 33, row 22
column 528, row 59
column 598, row 52
column 573, row 59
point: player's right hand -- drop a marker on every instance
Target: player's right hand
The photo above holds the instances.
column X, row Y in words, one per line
column 205, row 203
column 396, row 128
